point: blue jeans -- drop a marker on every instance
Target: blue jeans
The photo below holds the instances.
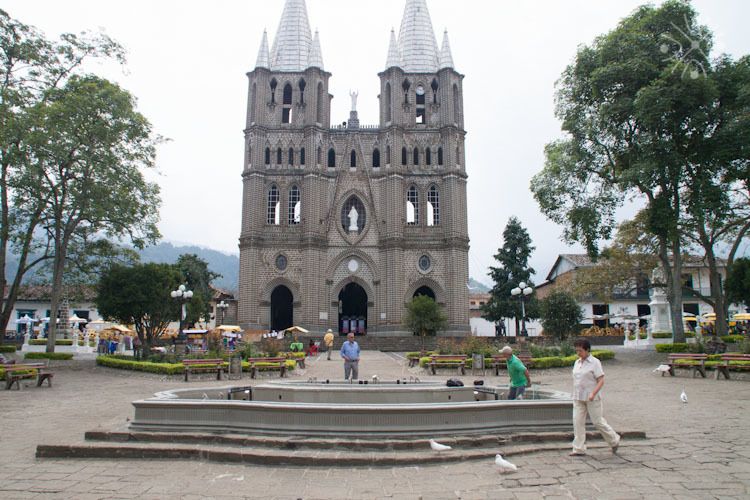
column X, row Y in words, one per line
column 515, row 392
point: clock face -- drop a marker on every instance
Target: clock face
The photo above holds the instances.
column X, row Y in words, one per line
column 420, row 90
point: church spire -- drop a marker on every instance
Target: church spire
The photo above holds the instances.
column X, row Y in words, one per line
column 293, row 42
column 316, row 56
column 263, row 57
column 446, row 59
column 416, row 39
column 393, row 58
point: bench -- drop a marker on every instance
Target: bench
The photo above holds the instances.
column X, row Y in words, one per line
column 15, row 372
column 448, row 360
column 723, row 369
column 685, row 360
column 498, row 362
column 203, row 365
column 299, row 360
column 273, row 364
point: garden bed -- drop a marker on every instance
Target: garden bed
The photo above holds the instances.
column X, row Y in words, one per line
column 120, row 363
column 539, row 363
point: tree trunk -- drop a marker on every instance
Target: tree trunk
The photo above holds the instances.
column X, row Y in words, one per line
column 674, row 294
column 717, row 294
column 57, row 289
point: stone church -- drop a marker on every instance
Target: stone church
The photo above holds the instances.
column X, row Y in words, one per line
column 343, row 225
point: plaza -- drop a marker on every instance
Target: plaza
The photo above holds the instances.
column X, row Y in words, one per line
column 697, row 450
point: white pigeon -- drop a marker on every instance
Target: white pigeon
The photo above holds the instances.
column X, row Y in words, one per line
column 683, row 396
column 375, row 378
column 503, row 465
column 438, row 447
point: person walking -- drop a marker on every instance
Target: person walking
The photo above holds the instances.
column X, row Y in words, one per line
column 588, row 380
column 519, row 374
column 350, row 353
column 328, row 340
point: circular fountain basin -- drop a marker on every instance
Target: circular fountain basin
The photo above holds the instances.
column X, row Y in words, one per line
column 299, row 408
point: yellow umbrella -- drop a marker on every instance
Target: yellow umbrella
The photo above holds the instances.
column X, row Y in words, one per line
column 229, row 328
column 296, row 329
column 741, row 317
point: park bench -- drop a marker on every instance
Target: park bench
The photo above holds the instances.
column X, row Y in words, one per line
column 267, row 364
column 448, row 360
column 723, row 369
column 15, row 372
column 498, row 362
column 685, row 360
column 203, row 365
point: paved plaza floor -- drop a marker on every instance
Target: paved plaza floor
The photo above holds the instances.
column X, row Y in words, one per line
column 698, row 450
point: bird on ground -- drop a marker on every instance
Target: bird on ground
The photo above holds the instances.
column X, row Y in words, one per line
column 683, row 396
column 375, row 378
column 205, row 396
column 503, row 465
column 438, row 447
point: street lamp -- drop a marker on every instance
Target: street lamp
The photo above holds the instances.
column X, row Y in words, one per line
column 182, row 295
column 223, row 306
column 522, row 291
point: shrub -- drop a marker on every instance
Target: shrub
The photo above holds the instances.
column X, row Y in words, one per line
column 662, row 335
column 7, row 348
column 44, row 342
column 416, row 354
column 476, row 345
column 689, row 335
column 641, row 336
column 447, row 346
column 732, row 339
column 49, row 355
column 676, row 347
column 143, row 366
column 541, row 362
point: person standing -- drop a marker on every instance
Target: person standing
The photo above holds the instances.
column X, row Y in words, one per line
column 519, row 374
column 588, row 380
column 350, row 353
column 328, row 340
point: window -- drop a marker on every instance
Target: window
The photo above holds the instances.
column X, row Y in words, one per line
column 290, row 158
column 440, row 156
column 388, row 154
column 375, row 158
column 434, row 86
column 267, row 156
column 420, row 104
column 406, row 85
column 252, row 103
column 295, row 206
column 321, row 103
column 353, row 159
column 403, row 156
column 302, row 156
column 428, row 156
column 412, row 206
column 302, row 84
column 416, row 156
column 424, row 263
column 456, row 105
column 433, row 206
column 249, row 154
column 273, row 90
column 687, row 281
column 319, row 155
column 274, row 206
column 281, row 262
column 286, row 113
column 387, row 102
column 331, row 158
column 278, row 156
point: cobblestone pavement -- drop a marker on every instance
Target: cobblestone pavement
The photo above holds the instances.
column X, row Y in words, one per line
column 698, row 450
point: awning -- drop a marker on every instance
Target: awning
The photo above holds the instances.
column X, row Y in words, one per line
column 296, row 329
column 229, row 328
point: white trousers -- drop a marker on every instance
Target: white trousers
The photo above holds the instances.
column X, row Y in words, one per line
column 594, row 410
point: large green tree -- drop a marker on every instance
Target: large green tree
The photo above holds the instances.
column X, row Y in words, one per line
column 197, row 277
column 738, row 282
column 139, row 295
column 642, row 109
column 513, row 268
column 424, row 317
column 31, row 68
column 560, row 314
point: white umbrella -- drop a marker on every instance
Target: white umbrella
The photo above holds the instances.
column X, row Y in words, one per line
column 76, row 320
column 25, row 320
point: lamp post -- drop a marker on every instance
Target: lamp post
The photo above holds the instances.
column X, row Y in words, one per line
column 223, row 307
column 522, row 291
column 182, row 295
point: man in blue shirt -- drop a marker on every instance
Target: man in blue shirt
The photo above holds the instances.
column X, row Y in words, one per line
column 350, row 353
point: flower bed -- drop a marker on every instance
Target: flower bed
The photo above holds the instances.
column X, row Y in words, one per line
column 44, row 342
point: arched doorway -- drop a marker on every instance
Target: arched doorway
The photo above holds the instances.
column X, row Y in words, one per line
column 352, row 309
column 282, row 312
column 425, row 290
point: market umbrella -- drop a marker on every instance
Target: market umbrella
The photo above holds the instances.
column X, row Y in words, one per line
column 229, row 328
column 741, row 317
column 296, row 329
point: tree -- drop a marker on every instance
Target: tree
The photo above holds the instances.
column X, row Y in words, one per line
column 513, row 258
column 560, row 314
column 424, row 317
column 197, row 277
column 139, row 296
column 88, row 146
column 642, row 108
column 31, row 67
column 738, row 282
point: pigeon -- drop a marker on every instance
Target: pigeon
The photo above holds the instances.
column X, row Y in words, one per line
column 437, row 446
column 503, row 465
column 662, row 368
column 205, row 396
column 683, row 396
column 375, row 379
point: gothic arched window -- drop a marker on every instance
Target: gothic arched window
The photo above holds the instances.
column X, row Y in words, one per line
column 412, row 206
column 267, row 156
column 286, row 112
column 456, row 105
column 273, row 206
column 416, row 156
column 273, row 85
column 434, row 86
column 290, row 157
column 278, row 156
column 404, row 156
column 302, row 85
column 295, row 206
column 387, row 102
column 388, row 154
column 302, row 156
column 433, row 206
column 440, row 156
column 406, row 85
column 320, row 103
column 428, row 156
column 375, row 158
column 353, row 159
column 331, row 158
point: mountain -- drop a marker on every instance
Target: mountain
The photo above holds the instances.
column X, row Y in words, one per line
column 219, row 262
column 477, row 287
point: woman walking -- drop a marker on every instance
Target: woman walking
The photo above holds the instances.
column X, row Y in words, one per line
column 588, row 379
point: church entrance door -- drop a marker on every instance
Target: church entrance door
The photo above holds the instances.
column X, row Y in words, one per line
column 352, row 310
column 282, row 312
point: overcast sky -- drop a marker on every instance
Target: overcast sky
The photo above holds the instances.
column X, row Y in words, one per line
column 187, row 63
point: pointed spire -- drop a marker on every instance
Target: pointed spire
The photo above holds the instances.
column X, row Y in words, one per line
column 446, row 59
column 416, row 39
column 393, row 58
column 293, row 42
column 263, row 57
column 316, row 56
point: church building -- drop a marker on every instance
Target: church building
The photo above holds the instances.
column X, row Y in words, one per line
column 343, row 225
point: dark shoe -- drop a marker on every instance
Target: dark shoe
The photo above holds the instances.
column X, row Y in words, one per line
column 576, row 454
column 615, row 447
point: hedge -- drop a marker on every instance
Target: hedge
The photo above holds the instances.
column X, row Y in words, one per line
column 733, row 339
column 49, row 355
column 44, row 342
column 676, row 347
column 662, row 335
column 642, row 336
column 540, row 363
column 173, row 368
column 7, row 348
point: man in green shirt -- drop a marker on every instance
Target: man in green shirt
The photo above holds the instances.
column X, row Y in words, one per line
column 519, row 374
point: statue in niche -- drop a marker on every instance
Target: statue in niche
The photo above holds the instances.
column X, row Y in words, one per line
column 353, row 95
column 353, row 219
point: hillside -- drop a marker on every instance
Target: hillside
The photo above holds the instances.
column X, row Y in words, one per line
column 219, row 262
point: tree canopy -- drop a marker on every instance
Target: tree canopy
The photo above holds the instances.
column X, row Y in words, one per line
column 738, row 281
column 197, row 277
column 424, row 316
column 560, row 314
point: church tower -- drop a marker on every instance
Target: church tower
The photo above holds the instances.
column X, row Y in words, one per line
column 343, row 225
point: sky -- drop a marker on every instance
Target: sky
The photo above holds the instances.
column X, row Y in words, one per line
column 187, row 62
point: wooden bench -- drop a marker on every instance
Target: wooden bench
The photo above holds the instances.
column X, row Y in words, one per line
column 498, row 362
column 275, row 364
column 203, row 365
column 448, row 360
column 723, row 369
column 14, row 372
column 300, row 361
column 687, row 360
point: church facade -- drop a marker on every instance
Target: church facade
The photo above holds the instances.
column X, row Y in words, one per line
column 343, row 225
